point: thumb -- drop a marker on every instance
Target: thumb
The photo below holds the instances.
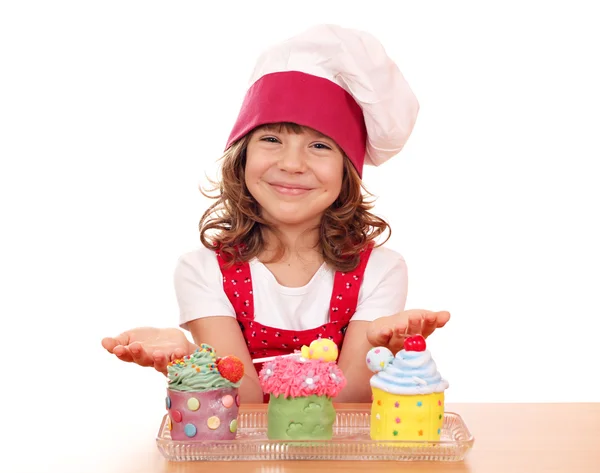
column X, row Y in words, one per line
column 379, row 337
column 110, row 343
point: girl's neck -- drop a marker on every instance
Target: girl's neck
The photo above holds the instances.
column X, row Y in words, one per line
column 298, row 243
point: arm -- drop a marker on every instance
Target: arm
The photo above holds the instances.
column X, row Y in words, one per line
column 353, row 365
column 383, row 292
column 223, row 333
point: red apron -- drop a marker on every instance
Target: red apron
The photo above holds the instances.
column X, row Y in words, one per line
column 266, row 341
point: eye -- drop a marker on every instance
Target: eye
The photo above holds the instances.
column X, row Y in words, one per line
column 269, row 139
column 321, row 146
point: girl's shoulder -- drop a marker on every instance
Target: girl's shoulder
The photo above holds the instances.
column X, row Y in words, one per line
column 199, row 262
column 384, row 256
column 384, row 263
column 200, row 254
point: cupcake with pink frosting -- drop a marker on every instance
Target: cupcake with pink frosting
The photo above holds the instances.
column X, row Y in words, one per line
column 301, row 389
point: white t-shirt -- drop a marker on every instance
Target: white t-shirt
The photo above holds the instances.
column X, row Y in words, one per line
column 199, row 290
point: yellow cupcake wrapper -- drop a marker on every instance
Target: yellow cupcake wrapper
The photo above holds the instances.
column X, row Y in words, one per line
column 417, row 417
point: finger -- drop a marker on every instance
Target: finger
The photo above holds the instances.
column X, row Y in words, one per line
column 122, row 353
column 177, row 354
column 442, row 318
column 397, row 343
column 160, row 361
column 109, row 343
column 401, row 330
column 414, row 324
column 429, row 324
column 139, row 355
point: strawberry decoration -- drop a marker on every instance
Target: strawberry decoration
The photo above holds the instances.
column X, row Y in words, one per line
column 415, row 343
column 231, row 368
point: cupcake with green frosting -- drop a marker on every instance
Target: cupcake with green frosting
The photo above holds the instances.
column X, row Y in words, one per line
column 301, row 388
column 202, row 396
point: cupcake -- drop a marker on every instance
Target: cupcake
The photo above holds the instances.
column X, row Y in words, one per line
column 202, row 396
column 301, row 387
column 408, row 393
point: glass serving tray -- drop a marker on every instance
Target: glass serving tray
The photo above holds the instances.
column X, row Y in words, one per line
column 351, row 441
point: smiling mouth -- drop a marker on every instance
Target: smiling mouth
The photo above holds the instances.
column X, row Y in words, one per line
column 287, row 189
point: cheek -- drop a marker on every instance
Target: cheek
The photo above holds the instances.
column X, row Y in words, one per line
column 332, row 176
column 253, row 171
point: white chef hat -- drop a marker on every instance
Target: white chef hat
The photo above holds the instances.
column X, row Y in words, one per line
column 338, row 81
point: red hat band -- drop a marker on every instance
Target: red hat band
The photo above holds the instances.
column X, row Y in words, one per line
column 306, row 100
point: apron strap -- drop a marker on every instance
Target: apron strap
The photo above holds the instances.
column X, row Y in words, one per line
column 237, row 285
column 346, row 288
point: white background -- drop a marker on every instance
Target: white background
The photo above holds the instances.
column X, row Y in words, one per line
column 111, row 112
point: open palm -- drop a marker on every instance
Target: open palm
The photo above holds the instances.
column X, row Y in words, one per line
column 149, row 346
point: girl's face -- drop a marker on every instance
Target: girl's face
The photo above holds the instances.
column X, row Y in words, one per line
column 293, row 177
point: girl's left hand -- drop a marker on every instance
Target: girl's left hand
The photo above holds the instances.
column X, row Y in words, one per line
column 391, row 331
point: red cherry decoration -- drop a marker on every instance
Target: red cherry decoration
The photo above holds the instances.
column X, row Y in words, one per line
column 231, row 368
column 415, row 343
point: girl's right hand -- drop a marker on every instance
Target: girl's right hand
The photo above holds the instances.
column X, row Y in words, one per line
column 148, row 346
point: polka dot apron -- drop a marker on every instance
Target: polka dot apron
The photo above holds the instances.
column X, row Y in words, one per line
column 264, row 341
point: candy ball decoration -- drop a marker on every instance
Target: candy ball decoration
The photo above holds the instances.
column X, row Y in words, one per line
column 415, row 343
column 231, row 368
column 322, row 349
column 378, row 358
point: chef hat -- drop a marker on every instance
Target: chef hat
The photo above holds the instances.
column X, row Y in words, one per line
column 339, row 82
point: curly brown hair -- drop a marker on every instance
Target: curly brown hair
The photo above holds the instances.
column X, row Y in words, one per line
column 233, row 223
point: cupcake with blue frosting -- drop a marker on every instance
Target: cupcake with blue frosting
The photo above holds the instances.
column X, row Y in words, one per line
column 408, row 393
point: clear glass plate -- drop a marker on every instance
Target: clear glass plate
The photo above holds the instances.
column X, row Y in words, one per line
column 351, row 441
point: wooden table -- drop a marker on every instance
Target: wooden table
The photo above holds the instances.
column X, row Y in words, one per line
column 509, row 438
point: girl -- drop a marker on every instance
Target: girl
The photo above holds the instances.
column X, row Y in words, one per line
column 289, row 251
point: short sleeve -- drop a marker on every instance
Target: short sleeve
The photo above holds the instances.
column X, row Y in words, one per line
column 385, row 286
column 199, row 287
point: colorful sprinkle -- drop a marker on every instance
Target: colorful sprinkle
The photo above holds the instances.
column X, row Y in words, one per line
column 440, row 416
column 168, row 402
column 190, row 430
column 213, row 422
column 439, row 402
column 439, row 431
column 378, row 417
column 176, row 415
column 395, row 433
column 419, row 404
column 397, row 404
column 193, row 404
column 233, row 426
column 420, row 432
column 379, row 402
column 398, row 420
column 227, row 401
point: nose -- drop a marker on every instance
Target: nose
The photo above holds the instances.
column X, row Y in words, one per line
column 292, row 159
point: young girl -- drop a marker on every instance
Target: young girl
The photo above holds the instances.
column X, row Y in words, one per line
column 289, row 251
